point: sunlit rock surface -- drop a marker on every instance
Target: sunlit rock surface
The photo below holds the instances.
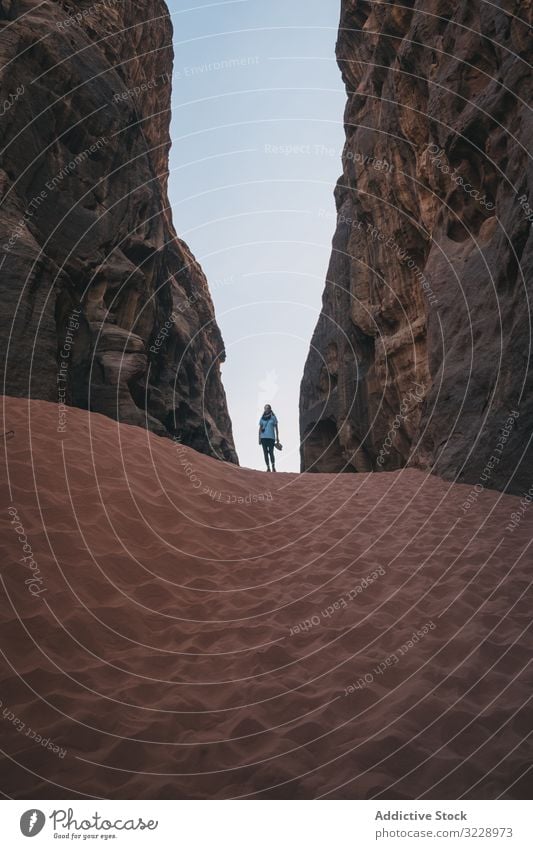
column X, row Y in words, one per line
column 421, row 354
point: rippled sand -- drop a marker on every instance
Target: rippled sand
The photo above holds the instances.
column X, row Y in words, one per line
column 347, row 636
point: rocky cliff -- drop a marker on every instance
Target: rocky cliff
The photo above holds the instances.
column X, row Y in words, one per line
column 421, row 354
column 103, row 306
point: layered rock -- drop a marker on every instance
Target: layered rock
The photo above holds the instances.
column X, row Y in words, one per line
column 102, row 305
column 421, row 354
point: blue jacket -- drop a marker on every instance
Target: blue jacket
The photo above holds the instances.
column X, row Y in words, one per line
column 267, row 427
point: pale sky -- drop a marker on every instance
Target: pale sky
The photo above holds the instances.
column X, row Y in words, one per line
column 257, row 136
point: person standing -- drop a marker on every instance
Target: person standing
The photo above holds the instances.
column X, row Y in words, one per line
column 268, row 435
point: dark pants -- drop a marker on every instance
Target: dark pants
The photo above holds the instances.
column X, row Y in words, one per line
column 268, row 449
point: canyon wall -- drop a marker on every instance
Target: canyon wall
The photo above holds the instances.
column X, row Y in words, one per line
column 421, row 354
column 103, row 307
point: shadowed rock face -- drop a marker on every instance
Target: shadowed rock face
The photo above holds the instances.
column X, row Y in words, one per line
column 102, row 305
column 421, row 352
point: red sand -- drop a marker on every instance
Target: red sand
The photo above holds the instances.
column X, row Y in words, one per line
column 156, row 650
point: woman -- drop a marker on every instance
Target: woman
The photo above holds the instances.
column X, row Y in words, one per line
column 268, row 435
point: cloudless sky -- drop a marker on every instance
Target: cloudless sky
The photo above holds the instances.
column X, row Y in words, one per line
column 251, row 75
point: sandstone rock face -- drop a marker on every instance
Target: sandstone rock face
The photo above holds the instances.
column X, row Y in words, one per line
column 421, row 354
column 102, row 305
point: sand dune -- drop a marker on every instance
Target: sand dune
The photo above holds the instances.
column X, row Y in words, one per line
column 183, row 628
